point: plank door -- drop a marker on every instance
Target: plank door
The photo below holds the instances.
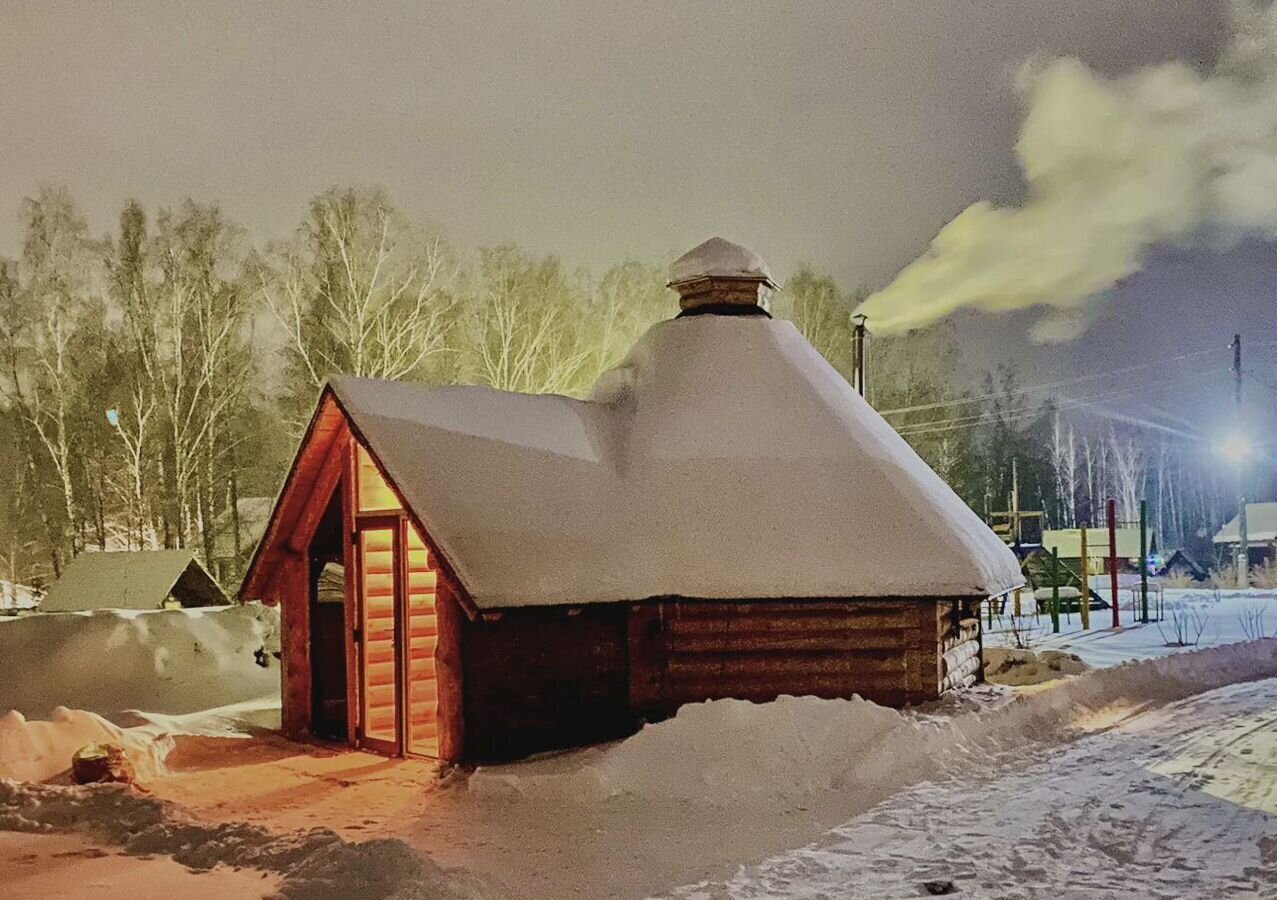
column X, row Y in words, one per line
column 378, row 637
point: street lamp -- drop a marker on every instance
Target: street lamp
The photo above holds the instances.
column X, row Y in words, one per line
column 1236, row 448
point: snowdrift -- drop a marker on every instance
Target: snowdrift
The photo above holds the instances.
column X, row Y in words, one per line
column 36, row 751
column 730, row 752
column 169, row 661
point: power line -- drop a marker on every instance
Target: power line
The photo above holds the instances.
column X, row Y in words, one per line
column 1065, row 382
column 987, row 417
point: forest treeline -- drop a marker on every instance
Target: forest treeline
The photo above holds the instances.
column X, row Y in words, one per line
column 153, row 381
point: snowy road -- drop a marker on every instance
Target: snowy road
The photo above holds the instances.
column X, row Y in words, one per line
column 1177, row 802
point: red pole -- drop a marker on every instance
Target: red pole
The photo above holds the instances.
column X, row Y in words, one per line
column 1112, row 511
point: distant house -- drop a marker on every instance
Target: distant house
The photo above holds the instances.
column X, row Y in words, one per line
column 14, row 596
column 723, row 517
column 1261, row 533
column 1068, row 544
column 137, row 579
column 1180, row 565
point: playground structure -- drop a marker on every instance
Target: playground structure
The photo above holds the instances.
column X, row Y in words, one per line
column 1063, row 585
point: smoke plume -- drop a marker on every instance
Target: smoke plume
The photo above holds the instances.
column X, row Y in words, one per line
column 1113, row 167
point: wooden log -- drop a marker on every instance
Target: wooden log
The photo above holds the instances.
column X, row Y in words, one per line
column 450, row 666
column 786, row 624
column 702, row 609
column 967, row 630
column 957, row 677
column 746, row 665
column 960, row 654
column 292, row 585
column 761, row 641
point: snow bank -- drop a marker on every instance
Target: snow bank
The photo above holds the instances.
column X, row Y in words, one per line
column 36, row 751
column 726, row 752
column 316, row 865
column 163, row 661
column 723, row 751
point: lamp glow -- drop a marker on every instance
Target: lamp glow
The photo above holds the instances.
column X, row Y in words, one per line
column 1235, row 448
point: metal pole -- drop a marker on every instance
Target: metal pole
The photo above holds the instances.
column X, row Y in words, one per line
column 858, row 344
column 1055, row 590
column 1085, row 608
column 1243, row 542
column 1144, row 561
column 1112, row 517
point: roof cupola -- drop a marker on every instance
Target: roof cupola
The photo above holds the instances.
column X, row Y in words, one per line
column 718, row 276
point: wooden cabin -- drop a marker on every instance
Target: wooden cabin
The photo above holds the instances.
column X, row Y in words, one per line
column 723, row 517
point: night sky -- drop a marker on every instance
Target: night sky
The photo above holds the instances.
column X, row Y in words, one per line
column 843, row 134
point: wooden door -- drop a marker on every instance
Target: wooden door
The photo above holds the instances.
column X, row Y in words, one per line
column 379, row 636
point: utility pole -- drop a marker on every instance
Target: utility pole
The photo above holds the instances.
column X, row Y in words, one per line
column 858, row 345
column 1243, row 542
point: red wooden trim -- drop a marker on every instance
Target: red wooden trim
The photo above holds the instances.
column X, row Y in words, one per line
column 353, row 690
column 264, row 565
column 316, row 504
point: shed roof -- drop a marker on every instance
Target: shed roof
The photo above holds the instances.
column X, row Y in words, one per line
column 724, row 458
column 1261, row 525
column 137, row 579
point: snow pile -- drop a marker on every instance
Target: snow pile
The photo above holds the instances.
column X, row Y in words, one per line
column 163, row 661
column 35, row 751
column 729, row 752
column 1021, row 667
column 725, row 751
column 316, row 865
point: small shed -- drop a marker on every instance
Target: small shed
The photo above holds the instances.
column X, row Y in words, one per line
column 1261, row 533
column 15, row 596
column 1180, row 565
column 723, row 517
column 133, row 579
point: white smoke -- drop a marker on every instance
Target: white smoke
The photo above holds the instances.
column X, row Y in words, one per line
column 1165, row 155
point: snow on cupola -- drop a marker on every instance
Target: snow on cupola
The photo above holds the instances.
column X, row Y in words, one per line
column 718, row 276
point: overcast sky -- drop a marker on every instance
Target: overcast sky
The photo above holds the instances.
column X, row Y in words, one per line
column 840, row 133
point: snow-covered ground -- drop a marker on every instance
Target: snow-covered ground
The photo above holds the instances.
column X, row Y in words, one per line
column 1000, row 791
column 1224, row 618
column 1177, row 802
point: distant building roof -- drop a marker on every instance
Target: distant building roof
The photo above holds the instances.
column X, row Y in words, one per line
column 18, row 596
column 139, row 579
column 1261, row 525
column 1068, row 542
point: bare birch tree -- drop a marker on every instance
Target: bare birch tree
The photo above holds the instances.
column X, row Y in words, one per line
column 360, row 291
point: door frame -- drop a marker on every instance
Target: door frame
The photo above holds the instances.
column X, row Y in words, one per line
column 380, row 522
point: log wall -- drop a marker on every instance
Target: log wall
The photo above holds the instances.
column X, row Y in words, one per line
column 683, row 651
column 538, row 679
column 541, row 679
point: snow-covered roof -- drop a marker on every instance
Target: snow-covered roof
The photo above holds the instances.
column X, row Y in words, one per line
column 1261, row 525
column 18, row 596
column 724, row 458
column 718, row 258
column 137, row 579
